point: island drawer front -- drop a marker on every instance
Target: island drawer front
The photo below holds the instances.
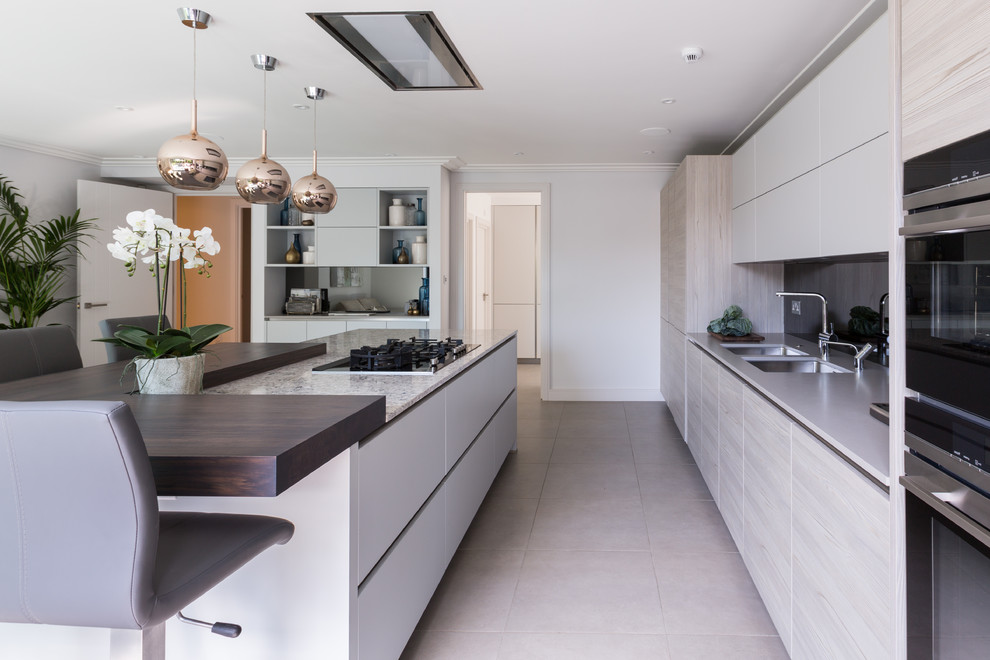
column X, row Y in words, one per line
column 397, row 470
column 504, row 432
column 475, row 396
column 391, row 601
column 466, row 487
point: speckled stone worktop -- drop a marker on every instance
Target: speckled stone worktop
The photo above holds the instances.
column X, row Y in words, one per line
column 835, row 407
column 400, row 391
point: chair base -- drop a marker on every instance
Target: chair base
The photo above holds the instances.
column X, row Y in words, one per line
column 147, row 644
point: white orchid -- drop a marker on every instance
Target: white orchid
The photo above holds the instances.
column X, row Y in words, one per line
column 157, row 241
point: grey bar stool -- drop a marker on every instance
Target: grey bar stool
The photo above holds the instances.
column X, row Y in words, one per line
column 109, row 326
column 84, row 543
column 27, row 352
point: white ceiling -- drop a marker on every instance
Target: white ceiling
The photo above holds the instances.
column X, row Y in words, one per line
column 565, row 81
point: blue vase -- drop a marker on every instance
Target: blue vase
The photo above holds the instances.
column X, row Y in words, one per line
column 420, row 213
column 283, row 215
column 424, row 297
column 400, row 255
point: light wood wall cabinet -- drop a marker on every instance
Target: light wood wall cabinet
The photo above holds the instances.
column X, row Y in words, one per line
column 812, row 182
column 812, row 530
column 945, row 88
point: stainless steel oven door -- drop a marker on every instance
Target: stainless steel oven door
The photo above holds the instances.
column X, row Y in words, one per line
column 948, row 565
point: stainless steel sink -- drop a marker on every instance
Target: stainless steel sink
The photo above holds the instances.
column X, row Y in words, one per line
column 795, row 365
column 762, row 349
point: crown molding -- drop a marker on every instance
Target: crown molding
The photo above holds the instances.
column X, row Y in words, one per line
column 571, row 167
column 49, row 150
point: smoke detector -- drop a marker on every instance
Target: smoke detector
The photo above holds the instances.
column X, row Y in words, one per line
column 692, row 54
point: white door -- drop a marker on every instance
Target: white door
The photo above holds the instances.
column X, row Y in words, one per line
column 105, row 290
column 483, row 275
column 514, row 229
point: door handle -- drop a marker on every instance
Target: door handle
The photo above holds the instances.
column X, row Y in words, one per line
column 484, row 296
column 89, row 305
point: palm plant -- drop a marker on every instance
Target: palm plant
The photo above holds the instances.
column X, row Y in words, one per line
column 34, row 258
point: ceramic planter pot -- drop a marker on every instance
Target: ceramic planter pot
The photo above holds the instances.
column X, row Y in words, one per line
column 182, row 375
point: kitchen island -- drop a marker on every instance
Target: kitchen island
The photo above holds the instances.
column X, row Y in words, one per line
column 375, row 526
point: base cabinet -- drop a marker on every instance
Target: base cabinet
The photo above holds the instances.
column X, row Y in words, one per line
column 811, row 529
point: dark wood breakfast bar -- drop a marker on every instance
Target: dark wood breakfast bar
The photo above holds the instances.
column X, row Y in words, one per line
column 232, row 445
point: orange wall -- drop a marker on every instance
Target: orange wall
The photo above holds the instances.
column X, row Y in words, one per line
column 215, row 299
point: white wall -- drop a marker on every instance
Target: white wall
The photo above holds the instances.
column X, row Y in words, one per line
column 48, row 184
column 604, row 270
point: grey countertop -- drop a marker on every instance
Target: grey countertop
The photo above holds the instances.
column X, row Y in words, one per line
column 400, row 391
column 835, row 407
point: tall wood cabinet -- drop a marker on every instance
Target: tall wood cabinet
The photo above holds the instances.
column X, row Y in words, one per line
column 945, row 88
column 697, row 277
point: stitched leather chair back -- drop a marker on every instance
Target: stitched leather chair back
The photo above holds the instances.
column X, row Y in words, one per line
column 28, row 352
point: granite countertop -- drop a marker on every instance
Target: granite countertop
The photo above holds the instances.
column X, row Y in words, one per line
column 835, row 407
column 400, row 391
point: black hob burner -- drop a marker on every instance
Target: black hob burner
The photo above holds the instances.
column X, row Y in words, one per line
column 400, row 356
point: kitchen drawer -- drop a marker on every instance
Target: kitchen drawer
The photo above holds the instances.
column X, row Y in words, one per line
column 465, row 488
column 285, row 331
column 504, row 431
column 397, row 470
column 411, row 325
column 317, row 329
column 393, row 598
column 475, row 397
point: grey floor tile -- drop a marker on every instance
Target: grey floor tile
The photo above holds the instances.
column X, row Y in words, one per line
column 668, row 481
column 501, row 523
column 656, row 449
column 534, row 450
column 687, row 526
column 537, row 428
column 592, row 450
column 646, row 409
column 526, row 409
column 575, row 646
column 443, row 645
column 475, row 593
column 597, row 410
column 722, row 647
column 567, row 591
column 519, row 480
column 591, row 481
column 709, row 593
column 592, row 428
column 590, row 525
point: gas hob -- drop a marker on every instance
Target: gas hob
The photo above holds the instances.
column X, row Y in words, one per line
column 400, row 356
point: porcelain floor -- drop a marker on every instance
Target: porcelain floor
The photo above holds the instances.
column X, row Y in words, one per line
column 598, row 539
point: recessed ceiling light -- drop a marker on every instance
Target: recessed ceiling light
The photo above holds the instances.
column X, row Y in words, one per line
column 655, row 131
column 649, row 152
column 123, row 108
column 407, row 50
column 390, row 155
column 519, row 153
column 300, row 106
column 668, row 101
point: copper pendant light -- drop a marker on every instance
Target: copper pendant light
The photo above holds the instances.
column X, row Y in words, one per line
column 314, row 193
column 191, row 162
column 262, row 180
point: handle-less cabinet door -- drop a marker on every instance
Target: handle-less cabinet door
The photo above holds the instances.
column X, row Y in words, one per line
column 347, row 246
column 356, row 207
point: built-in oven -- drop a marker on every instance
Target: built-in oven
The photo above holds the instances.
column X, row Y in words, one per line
column 947, row 417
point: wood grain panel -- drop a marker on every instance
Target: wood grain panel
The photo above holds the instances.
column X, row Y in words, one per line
column 672, row 344
column 709, row 239
column 731, row 465
column 676, row 248
column 945, row 59
column 693, row 395
column 841, row 557
column 752, row 287
column 710, row 423
column 768, row 508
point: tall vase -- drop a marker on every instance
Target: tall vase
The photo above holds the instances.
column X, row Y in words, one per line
column 397, row 213
column 176, row 375
column 419, row 250
column 420, row 215
column 294, row 253
column 400, row 255
column 424, row 297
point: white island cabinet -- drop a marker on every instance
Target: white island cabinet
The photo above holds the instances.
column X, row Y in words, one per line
column 376, row 525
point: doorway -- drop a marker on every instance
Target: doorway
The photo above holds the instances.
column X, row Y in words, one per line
column 502, row 266
column 224, row 296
